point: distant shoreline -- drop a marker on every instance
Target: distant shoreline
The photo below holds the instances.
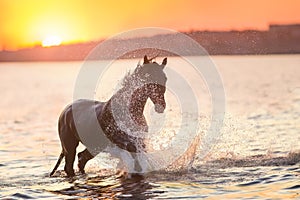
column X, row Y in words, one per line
column 217, row 55
column 278, row 39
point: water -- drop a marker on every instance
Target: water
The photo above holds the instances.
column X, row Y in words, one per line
column 256, row 157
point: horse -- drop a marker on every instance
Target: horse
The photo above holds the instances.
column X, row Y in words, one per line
column 121, row 118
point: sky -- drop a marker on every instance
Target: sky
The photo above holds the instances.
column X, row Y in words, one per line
column 26, row 23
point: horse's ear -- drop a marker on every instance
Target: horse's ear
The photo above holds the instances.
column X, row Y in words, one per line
column 146, row 61
column 164, row 62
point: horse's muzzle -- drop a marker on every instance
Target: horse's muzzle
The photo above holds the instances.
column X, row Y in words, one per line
column 159, row 108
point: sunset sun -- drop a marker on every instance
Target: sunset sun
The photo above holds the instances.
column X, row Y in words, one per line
column 52, row 40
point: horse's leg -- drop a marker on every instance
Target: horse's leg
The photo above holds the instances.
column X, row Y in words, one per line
column 69, row 143
column 137, row 166
column 83, row 158
column 70, row 154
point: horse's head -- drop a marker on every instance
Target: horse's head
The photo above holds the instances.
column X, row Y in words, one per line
column 156, row 79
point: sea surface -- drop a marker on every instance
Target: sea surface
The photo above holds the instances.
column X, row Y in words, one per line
column 255, row 156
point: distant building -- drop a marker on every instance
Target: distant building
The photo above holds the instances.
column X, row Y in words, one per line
column 292, row 30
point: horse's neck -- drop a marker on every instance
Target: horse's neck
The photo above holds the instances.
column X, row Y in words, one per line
column 133, row 101
column 138, row 102
column 126, row 108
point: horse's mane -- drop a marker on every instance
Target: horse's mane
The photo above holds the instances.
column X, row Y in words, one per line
column 133, row 76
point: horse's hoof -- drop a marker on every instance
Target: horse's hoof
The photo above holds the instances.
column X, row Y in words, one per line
column 70, row 173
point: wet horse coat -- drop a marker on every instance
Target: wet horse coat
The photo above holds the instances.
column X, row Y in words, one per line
column 96, row 124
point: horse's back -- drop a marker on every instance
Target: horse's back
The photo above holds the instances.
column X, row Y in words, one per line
column 80, row 120
column 83, row 109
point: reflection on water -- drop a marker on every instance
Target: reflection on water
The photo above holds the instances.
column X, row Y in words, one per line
column 112, row 186
column 221, row 179
column 226, row 178
column 256, row 157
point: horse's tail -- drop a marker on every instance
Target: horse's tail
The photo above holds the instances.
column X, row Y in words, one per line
column 61, row 156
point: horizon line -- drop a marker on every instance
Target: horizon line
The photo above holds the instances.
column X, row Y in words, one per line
column 70, row 43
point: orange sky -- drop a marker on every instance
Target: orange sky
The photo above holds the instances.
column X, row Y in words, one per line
column 24, row 23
